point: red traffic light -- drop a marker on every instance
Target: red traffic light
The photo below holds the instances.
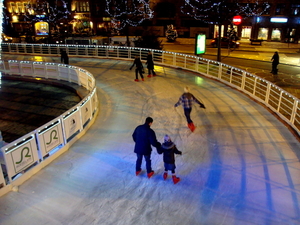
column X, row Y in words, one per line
column 237, row 20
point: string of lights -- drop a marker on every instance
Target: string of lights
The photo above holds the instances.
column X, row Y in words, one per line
column 44, row 11
column 216, row 11
column 128, row 13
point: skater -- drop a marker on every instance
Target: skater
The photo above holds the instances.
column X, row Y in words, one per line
column 186, row 100
column 169, row 149
column 64, row 58
column 139, row 69
column 150, row 65
column 275, row 62
column 144, row 137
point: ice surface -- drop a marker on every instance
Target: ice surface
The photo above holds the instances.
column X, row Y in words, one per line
column 240, row 166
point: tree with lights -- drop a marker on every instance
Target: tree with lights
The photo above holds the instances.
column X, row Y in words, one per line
column 54, row 12
column 126, row 13
column 220, row 11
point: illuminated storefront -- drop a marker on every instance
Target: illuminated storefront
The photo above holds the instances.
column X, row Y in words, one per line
column 41, row 28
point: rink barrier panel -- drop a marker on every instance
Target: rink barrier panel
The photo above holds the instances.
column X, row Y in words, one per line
column 29, row 154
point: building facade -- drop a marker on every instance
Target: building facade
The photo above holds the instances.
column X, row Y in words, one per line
column 88, row 17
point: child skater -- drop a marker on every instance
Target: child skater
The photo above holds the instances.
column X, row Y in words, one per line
column 169, row 149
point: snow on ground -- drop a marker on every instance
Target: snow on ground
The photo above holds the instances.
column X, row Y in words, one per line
column 238, row 167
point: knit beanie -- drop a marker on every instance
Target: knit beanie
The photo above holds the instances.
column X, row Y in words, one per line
column 167, row 138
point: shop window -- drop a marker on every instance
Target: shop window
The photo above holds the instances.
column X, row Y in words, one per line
column 82, row 7
column 13, row 7
column 246, row 32
column 41, row 28
column 216, row 30
column 290, row 36
column 263, row 33
column 276, row 35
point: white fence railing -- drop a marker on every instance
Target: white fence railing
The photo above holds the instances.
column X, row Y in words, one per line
column 279, row 101
column 30, row 153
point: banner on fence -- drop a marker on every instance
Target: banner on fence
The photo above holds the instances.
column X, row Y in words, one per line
column 14, row 67
column 26, row 67
column 72, row 123
column 86, row 111
column 21, row 157
column 50, row 137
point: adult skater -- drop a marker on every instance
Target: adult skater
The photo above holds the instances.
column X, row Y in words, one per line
column 275, row 62
column 139, row 69
column 64, row 58
column 186, row 100
column 150, row 65
column 144, row 137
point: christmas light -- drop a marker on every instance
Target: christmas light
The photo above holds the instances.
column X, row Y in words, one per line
column 128, row 13
column 216, row 11
column 43, row 11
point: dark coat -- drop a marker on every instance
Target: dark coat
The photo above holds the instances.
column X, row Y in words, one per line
column 144, row 137
column 169, row 150
column 138, row 63
column 150, row 64
column 275, row 59
column 64, row 58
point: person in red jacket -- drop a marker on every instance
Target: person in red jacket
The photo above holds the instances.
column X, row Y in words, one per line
column 169, row 149
column 144, row 137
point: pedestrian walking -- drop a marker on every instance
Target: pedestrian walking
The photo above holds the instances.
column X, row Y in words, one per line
column 64, row 58
column 169, row 149
column 275, row 62
column 186, row 100
column 150, row 65
column 139, row 69
column 144, row 137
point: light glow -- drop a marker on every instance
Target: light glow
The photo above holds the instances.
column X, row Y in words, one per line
column 279, row 20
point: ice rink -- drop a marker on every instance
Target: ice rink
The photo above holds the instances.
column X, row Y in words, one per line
column 240, row 166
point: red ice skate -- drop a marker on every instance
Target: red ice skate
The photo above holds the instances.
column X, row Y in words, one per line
column 165, row 176
column 150, row 174
column 175, row 179
column 191, row 126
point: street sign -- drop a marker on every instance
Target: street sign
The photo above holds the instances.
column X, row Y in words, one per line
column 237, row 20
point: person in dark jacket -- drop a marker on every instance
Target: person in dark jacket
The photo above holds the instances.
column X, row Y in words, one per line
column 275, row 62
column 186, row 100
column 144, row 137
column 169, row 149
column 150, row 65
column 64, row 58
column 139, row 69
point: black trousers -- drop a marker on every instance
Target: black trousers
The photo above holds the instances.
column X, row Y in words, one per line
column 187, row 113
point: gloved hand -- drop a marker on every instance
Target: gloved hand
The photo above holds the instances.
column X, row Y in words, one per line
column 202, row 106
column 180, row 153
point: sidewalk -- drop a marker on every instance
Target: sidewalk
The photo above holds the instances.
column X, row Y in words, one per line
column 289, row 52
